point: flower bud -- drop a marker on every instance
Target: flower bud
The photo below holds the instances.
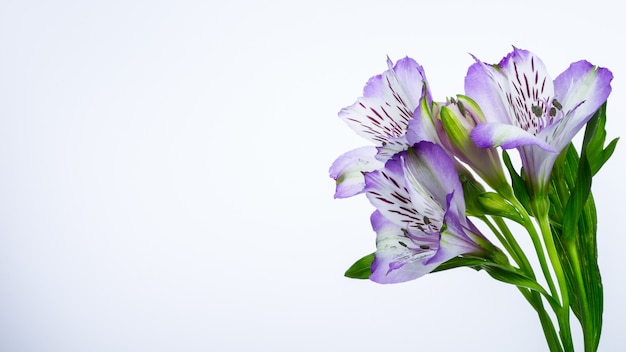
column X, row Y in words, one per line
column 459, row 116
column 495, row 204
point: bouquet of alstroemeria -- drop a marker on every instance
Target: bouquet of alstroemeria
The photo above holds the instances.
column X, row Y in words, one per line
column 422, row 177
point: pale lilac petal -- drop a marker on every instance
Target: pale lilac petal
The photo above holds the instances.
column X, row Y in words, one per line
column 581, row 90
column 348, row 170
column 412, row 77
column 431, row 176
column 454, row 240
column 538, row 164
column 583, row 82
column 399, row 257
column 423, row 126
column 388, row 102
column 493, row 134
column 482, row 84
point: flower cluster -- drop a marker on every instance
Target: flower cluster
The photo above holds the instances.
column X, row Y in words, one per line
column 419, row 173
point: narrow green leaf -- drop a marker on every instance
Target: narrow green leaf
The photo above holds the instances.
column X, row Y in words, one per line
column 592, row 278
column 510, row 276
column 602, row 157
column 595, row 137
column 361, row 269
column 519, row 186
column 460, row 262
column 574, row 225
column 577, row 199
column 595, row 133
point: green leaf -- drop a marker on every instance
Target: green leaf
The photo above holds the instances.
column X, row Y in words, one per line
column 602, row 157
column 361, row 269
column 458, row 262
column 519, row 186
column 511, row 276
column 592, row 279
column 577, row 198
column 595, row 136
column 574, row 224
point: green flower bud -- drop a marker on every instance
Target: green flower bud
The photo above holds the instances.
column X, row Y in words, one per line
column 495, row 204
column 459, row 117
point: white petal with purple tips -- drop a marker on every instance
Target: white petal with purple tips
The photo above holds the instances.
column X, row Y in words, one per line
column 388, row 102
column 348, row 170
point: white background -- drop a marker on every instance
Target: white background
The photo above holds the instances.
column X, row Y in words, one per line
column 164, row 185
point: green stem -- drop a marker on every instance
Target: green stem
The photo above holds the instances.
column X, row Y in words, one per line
column 522, row 260
column 552, row 338
column 562, row 308
column 586, row 320
column 534, row 236
column 507, row 239
column 541, row 212
column 505, row 243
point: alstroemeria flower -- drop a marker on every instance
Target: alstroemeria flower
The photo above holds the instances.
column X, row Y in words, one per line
column 420, row 219
column 525, row 109
column 381, row 116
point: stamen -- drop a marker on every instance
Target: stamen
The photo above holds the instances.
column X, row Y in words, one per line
column 461, row 107
column 536, row 109
column 552, row 111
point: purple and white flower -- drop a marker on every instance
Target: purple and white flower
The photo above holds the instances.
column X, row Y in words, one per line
column 526, row 110
column 420, row 219
column 381, row 116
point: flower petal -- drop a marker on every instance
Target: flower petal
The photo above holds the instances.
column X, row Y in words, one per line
column 393, row 146
column 388, row 191
column 506, row 136
column 481, row 84
column 398, row 257
column 423, row 126
column 537, row 165
column 454, row 241
column 388, row 102
column 431, row 175
column 348, row 170
column 581, row 90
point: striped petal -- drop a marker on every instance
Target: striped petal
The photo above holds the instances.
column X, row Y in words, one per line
column 388, row 102
column 399, row 256
column 388, row 191
column 518, row 91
